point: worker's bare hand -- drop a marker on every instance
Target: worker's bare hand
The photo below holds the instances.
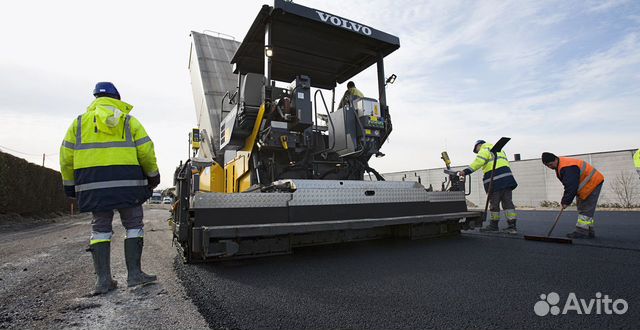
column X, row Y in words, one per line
column 564, row 206
column 461, row 174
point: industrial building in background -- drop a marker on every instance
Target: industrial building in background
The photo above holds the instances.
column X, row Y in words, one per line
column 538, row 186
column 275, row 165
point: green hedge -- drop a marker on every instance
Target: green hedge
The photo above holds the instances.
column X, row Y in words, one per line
column 29, row 189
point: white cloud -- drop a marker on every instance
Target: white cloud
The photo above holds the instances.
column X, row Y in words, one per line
column 603, row 5
column 551, row 75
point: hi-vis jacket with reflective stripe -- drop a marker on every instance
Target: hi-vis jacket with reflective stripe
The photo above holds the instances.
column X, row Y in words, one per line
column 106, row 157
column 502, row 179
column 636, row 160
column 349, row 95
column 588, row 181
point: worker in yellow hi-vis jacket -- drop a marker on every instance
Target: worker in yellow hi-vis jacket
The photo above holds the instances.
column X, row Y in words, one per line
column 636, row 161
column 108, row 163
column 501, row 189
column 350, row 95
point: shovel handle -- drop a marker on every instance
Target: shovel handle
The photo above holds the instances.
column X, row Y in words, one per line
column 490, row 188
column 556, row 222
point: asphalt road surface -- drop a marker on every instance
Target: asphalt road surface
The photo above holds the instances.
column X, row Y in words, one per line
column 474, row 280
column 471, row 281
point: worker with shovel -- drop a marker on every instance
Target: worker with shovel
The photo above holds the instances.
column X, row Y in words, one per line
column 499, row 184
column 580, row 179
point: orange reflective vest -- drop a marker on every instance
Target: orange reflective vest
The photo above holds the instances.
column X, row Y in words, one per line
column 590, row 178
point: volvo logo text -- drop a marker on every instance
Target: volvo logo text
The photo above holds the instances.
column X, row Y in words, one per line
column 337, row 21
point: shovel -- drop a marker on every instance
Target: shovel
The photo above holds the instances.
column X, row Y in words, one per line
column 548, row 238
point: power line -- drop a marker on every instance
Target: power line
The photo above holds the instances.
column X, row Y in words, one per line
column 20, row 152
column 26, row 153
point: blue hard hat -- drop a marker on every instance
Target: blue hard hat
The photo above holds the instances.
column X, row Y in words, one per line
column 105, row 88
column 478, row 142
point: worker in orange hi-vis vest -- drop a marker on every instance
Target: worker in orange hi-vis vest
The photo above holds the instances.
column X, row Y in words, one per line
column 581, row 180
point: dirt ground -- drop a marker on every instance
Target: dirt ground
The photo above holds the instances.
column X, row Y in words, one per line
column 46, row 277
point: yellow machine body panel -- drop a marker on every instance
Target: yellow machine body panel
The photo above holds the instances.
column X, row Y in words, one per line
column 237, row 171
column 212, row 179
column 229, row 175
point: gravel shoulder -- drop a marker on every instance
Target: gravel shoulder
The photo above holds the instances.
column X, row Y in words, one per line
column 46, row 276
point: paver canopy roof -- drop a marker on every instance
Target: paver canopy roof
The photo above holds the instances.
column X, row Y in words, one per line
column 306, row 41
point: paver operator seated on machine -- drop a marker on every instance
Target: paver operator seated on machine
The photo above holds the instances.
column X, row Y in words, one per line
column 350, row 94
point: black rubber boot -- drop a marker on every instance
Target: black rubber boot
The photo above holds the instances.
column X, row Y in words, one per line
column 101, row 253
column 492, row 227
column 576, row 234
column 511, row 227
column 581, row 233
column 133, row 255
column 592, row 233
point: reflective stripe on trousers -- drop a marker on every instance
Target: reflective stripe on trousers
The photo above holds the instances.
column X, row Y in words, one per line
column 511, row 214
column 585, row 222
column 494, row 216
column 97, row 237
column 133, row 233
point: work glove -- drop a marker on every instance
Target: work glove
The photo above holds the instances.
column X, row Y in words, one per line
column 70, row 191
column 153, row 181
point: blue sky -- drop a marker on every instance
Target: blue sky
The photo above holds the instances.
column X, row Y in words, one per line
column 561, row 76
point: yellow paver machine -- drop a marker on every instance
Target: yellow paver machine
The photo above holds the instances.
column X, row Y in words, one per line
column 274, row 165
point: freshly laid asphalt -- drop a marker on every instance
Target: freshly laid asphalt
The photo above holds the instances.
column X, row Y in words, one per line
column 475, row 280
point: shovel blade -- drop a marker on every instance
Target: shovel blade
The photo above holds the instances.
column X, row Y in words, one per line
column 500, row 144
column 549, row 239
